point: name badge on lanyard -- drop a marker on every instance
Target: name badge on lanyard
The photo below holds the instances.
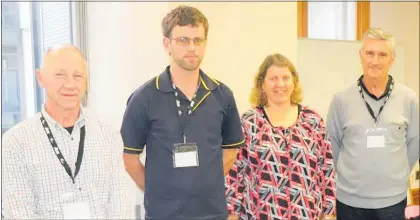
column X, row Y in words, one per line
column 71, row 209
column 74, row 210
column 79, row 210
column 375, row 136
column 185, row 154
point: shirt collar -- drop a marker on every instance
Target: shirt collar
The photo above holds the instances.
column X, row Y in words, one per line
column 80, row 121
column 387, row 88
column 163, row 81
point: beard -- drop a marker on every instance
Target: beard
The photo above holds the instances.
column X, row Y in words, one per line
column 184, row 64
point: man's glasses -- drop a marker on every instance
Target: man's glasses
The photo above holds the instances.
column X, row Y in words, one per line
column 185, row 41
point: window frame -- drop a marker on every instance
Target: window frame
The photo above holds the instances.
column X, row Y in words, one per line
column 80, row 37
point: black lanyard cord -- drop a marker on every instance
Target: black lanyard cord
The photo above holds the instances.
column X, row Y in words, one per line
column 359, row 85
column 184, row 120
column 58, row 152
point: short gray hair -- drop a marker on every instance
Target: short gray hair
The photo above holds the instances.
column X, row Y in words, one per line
column 379, row 34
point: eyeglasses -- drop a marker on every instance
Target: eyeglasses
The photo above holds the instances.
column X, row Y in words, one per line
column 185, row 41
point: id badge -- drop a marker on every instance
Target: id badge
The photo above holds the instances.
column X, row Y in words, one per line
column 185, row 155
column 80, row 210
column 375, row 137
column 72, row 209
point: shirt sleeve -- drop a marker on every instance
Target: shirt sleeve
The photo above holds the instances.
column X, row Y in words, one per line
column 18, row 200
column 120, row 205
column 326, row 164
column 235, row 178
column 413, row 133
column 231, row 127
column 335, row 127
column 135, row 123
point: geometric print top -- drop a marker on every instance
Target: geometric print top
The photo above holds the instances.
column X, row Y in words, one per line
column 282, row 173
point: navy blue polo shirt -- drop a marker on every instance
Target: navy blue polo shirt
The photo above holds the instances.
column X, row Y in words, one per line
column 151, row 119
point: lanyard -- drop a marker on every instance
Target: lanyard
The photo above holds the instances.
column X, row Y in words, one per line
column 58, row 152
column 368, row 106
column 185, row 119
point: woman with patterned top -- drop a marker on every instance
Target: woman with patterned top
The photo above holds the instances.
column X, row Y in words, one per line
column 285, row 169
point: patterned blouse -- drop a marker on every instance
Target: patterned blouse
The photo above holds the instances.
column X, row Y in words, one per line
column 282, row 173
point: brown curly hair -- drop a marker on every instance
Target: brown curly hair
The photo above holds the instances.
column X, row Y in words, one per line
column 257, row 97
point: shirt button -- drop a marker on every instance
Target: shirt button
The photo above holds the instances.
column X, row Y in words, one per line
column 71, row 138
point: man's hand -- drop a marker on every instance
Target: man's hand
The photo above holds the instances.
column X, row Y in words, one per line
column 229, row 157
column 135, row 168
column 233, row 217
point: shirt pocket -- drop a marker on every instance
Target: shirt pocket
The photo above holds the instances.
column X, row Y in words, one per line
column 397, row 131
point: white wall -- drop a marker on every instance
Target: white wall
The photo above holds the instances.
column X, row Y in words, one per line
column 125, row 47
column 112, row 57
column 1, row 112
column 150, row 57
column 402, row 20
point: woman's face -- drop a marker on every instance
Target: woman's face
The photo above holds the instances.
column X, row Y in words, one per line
column 278, row 85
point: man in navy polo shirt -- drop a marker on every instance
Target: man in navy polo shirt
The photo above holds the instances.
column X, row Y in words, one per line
column 190, row 125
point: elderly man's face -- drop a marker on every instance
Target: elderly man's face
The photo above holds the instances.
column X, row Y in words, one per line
column 64, row 78
column 376, row 57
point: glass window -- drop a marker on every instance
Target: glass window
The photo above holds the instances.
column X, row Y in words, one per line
column 332, row 20
column 28, row 30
